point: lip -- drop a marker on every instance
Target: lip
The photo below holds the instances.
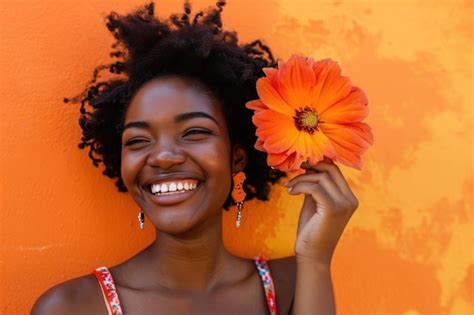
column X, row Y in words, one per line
column 171, row 199
column 166, row 200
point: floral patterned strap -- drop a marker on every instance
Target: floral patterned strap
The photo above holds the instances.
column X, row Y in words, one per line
column 109, row 291
column 264, row 272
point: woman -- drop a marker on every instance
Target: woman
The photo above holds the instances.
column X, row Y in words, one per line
column 173, row 131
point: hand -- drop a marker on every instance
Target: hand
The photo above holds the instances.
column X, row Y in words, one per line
column 328, row 205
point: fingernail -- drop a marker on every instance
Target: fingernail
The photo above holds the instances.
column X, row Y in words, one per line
column 290, row 189
column 285, row 184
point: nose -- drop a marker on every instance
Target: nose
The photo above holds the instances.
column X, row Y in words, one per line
column 165, row 155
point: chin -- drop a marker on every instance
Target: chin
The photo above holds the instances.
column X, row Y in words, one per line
column 180, row 225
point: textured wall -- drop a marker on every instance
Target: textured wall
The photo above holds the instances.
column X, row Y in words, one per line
column 407, row 250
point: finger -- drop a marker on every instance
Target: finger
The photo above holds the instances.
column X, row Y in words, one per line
column 307, row 166
column 336, row 174
column 316, row 190
column 323, row 178
column 328, row 165
column 314, row 194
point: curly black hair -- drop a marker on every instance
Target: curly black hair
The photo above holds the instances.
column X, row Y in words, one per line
column 191, row 46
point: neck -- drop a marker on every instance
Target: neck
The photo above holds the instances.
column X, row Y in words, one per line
column 197, row 261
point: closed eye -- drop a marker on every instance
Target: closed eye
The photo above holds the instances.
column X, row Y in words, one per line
column 196, row 131
column 133, row 141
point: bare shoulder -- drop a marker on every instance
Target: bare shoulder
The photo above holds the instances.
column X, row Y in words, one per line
column 283, row 272
column 80, row 295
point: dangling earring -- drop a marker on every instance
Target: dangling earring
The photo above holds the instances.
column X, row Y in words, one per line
column 238, row 194
column 141, row 219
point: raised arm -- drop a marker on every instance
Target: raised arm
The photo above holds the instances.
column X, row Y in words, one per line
column 328, row 206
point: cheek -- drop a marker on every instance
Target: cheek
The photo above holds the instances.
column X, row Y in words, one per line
column 219, row 168
column 218, row 159
column 130, row 166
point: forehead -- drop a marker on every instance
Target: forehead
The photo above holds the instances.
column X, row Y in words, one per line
column 165, row 98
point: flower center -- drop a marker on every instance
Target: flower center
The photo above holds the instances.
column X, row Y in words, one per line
column 306, row 119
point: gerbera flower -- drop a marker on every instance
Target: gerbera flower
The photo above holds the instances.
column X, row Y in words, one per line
column 306, row 111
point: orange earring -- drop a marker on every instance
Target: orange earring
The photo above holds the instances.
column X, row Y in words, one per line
column 238, row 194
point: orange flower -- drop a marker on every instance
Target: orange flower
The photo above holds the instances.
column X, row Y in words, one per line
column 306, row 111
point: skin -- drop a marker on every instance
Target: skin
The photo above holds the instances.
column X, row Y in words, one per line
column 327, row 208
column 187, row 267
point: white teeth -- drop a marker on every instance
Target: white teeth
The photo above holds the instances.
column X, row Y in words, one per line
column 155, row 188
column 172, row 187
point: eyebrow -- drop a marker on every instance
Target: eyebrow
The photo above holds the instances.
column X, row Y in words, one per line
column 136, row 124
column 190, row 115
column 179, row 118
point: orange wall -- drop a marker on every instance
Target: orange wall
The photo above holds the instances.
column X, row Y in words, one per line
column 408, row 249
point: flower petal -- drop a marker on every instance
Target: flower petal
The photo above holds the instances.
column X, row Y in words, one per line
column 276, row 159
column 320, row 146
column 272, row 98
column 278, row 144
column 255, row 105
column 352, row 108
column 313, row 147
column 290, row 164
column 296, row 79
column 259, row 145
column 331, row 86
column 350, row 141
column 277, row 131
column 269, row 72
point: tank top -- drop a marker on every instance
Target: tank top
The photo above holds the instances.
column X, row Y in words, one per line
column 112, row 302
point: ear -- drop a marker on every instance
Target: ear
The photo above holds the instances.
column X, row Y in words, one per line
column 239, row 158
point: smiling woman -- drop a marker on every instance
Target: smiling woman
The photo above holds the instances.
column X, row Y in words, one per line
column 184, row 144
column 171, row 127
column 172, row 133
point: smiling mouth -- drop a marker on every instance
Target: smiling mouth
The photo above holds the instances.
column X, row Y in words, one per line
column 173, row 187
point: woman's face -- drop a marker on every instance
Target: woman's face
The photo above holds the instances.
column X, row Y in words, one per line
column 176, row 153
